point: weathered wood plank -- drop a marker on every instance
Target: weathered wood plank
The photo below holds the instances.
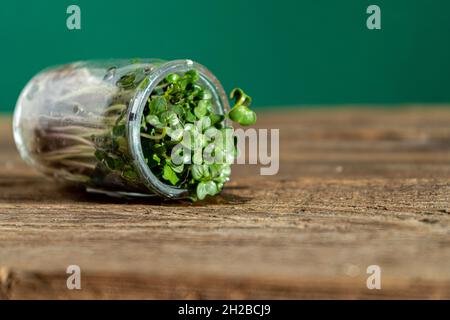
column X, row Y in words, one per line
column 356, row 187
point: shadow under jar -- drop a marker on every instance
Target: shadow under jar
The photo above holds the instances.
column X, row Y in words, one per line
column 68, row 117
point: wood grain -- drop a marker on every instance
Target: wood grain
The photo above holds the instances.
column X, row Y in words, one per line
column 356, row 187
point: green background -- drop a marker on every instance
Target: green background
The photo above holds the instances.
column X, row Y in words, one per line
column 304, row 52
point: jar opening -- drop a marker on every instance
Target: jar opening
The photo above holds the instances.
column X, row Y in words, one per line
column 135, row 113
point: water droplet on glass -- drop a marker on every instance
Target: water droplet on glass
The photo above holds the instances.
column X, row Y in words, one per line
column 147, row 70
column 77, row 109
column 110, row 73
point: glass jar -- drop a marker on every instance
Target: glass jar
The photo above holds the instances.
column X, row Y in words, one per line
column 65, row 116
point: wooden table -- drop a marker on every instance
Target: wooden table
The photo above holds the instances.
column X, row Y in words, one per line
column 356, row 187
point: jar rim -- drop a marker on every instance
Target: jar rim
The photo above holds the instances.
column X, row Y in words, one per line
column 134, row 115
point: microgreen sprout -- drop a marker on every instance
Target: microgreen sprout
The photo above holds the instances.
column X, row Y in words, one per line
column 181, row 112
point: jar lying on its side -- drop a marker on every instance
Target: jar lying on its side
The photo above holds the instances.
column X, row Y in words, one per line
column 82, row 122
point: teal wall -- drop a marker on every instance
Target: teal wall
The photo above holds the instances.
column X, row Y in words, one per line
column 298, row 52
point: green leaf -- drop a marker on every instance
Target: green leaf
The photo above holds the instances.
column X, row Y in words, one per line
column 175, row 134
column 154, row 121
column 170, row 175
column 158, row 105
column 172, row 78
column 211, row 188
column 242, row 115
column 205, row 94
column 200, row 111
column 197, row 171
column 201, row 191
column 178, row 110
column 192, row 75
column 216, row 118
column 171, row 118
column 203, row 123
column 202, row 108
column 214, row 170
column 197, row 158
column 213, row 134
column 183, row 84
column 206, row 188
column 156, row 158
column 190, row 117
